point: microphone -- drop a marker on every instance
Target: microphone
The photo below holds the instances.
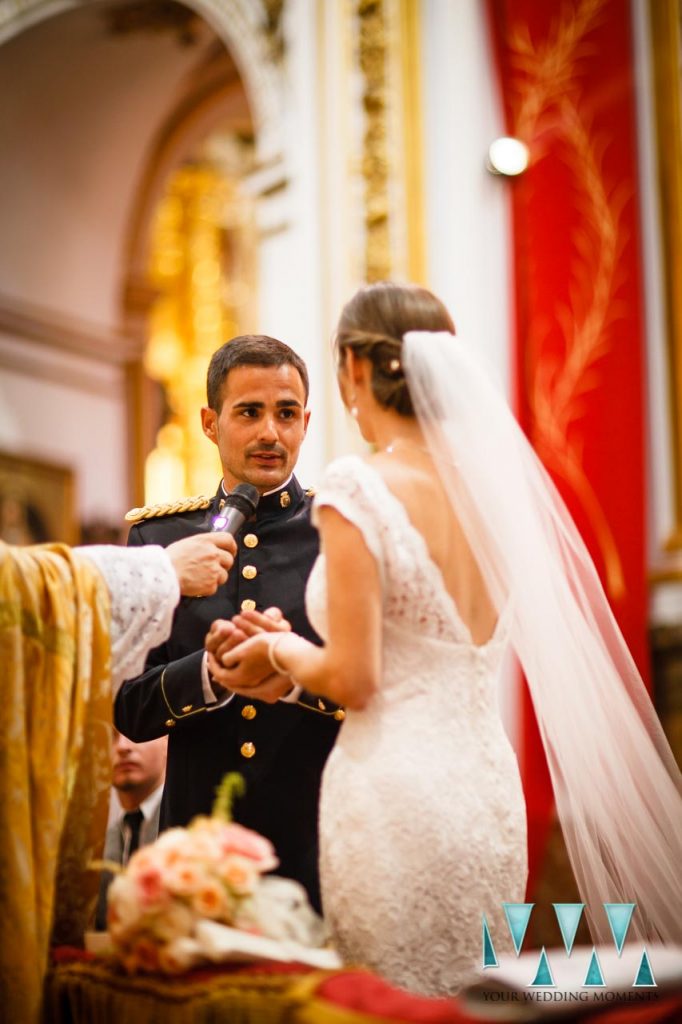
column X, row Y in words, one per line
column 239, row 506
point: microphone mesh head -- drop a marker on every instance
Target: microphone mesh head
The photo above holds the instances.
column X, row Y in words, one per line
column 244, row 497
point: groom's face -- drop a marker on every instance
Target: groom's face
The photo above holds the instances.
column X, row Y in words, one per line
column 260, row 426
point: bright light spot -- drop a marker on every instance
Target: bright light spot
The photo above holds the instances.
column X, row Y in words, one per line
column 508, row 156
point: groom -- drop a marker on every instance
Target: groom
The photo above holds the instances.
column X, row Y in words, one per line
column 257, row 417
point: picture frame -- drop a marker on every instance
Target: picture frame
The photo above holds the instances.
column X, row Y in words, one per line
column 37, row 501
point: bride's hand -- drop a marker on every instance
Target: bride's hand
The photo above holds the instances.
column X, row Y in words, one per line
column 246, row 668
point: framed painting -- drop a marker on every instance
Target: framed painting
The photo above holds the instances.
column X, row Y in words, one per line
column 37, row 501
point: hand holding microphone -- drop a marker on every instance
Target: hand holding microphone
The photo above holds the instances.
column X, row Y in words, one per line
column 202, row 562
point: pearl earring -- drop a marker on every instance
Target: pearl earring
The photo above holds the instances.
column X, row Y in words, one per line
column 354, row 411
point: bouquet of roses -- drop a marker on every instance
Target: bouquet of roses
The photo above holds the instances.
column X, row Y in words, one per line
column 161, row 904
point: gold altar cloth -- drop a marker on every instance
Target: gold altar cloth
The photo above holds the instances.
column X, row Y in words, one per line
column 55, row 761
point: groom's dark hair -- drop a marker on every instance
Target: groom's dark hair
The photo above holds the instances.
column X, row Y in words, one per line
column 249, row 350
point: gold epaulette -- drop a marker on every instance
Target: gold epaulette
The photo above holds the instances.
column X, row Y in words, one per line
column 169, row 508
column 310, row 492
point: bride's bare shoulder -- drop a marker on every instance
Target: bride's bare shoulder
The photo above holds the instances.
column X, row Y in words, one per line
column 400, row 476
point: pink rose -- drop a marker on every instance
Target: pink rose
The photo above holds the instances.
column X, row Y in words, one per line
column 235, row 838
column 150, row 886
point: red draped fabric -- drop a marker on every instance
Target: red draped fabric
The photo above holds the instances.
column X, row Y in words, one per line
column 81, row 989
column 565, row 75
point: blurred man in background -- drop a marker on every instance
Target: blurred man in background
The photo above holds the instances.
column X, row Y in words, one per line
column 138, row 773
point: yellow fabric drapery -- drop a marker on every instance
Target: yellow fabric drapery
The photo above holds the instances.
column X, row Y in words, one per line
column 55, row 762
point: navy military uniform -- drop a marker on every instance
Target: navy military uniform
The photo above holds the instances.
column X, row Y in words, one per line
column 280, row 749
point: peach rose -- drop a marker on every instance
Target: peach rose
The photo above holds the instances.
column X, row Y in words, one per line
column 240, row 874
column 211, row 900
column 184, row 878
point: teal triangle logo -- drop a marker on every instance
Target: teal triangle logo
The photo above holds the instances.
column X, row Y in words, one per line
column 518, row 916
column 543, row 976
column 489, row 957
column 645, row 976
column 594, row 977
column 619, row 915
column 568, row 915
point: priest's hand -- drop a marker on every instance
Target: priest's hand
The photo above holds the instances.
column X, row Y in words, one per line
column 202, row 562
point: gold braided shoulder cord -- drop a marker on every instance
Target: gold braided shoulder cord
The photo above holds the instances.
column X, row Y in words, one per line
column 170, row 508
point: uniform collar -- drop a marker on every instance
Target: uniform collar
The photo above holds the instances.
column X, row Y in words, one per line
column 278, row 502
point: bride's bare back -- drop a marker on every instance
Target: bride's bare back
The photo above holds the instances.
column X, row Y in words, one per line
column 410, row 474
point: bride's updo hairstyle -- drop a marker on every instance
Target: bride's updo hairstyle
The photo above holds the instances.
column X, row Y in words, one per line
column 373, row 324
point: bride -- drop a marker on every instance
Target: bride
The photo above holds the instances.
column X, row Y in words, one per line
column 440, row 549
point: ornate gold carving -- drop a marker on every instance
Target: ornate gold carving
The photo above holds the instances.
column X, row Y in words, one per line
column 413, row 137
column 273, row 27
column 201, row 265
column 372, row 58
column 558, row 385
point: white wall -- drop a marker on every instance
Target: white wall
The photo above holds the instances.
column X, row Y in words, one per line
column 293, row 248
column 468, row 239
column 69, row 411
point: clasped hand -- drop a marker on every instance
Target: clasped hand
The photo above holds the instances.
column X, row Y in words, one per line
column 238, row 654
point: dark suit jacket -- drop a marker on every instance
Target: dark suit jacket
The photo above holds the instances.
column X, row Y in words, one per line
column 280, row 749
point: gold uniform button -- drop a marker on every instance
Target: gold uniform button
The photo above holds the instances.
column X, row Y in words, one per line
column 248, row 605
column 248, row 711
column 170, row 723
column 248, row 749
column 251, row 540
column 285, row 499
column 339, row 714
column 249, row 572
column 187, row 708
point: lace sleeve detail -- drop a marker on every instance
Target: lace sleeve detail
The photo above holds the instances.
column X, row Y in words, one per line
column 347, row 488
column 144, row 592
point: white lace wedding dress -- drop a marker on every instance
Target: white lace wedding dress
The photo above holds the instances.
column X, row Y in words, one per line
column 422, row 816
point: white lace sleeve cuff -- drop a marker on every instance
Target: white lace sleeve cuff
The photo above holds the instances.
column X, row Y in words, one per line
column 144, row 592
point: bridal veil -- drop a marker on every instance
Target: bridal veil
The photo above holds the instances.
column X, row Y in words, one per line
column 617, row 788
